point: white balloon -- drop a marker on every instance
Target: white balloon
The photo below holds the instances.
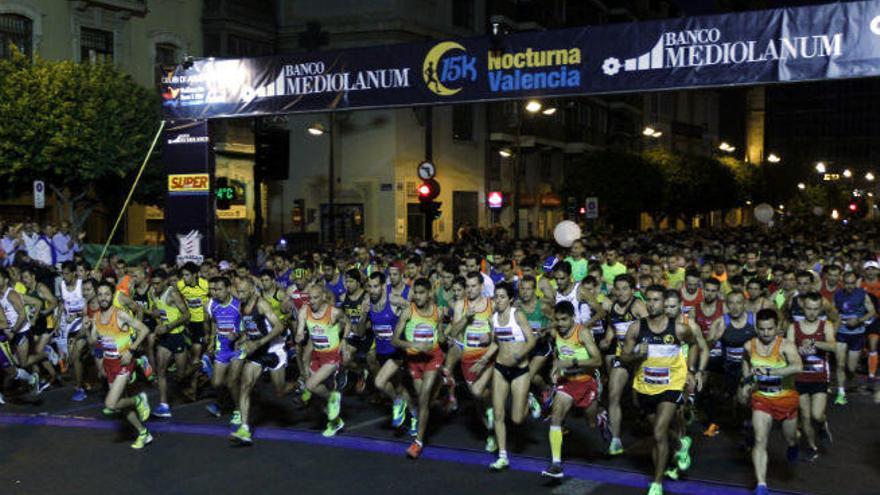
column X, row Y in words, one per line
column 566, row 232
column 764, row 213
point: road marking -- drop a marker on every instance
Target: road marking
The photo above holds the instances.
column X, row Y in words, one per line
column 574, row 470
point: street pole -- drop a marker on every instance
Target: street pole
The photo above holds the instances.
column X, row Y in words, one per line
column 331, row 209
column 429, row 157
column 517, row 164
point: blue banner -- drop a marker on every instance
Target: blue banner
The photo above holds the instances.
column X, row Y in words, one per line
column 834, row 41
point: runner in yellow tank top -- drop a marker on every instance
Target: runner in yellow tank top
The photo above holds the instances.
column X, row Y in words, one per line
column 770, row 364
column 417, row 332
column 471, row 327
column 171, row 314
column 654, row 345
column 323, row 324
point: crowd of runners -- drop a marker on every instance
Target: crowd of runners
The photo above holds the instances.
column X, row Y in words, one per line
column 734, row 328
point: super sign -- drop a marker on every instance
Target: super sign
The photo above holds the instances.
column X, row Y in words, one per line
column 188, row 184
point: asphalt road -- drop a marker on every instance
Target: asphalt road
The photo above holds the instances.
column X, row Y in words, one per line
column 64, row 447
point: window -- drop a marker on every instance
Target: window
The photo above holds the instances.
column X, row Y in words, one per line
column 244, row 47
column 167, row 55
column 463, row 123
column 15, row 30
column 463, row 13
column 95, row 45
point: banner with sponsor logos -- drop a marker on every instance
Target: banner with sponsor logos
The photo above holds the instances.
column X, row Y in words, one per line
column 189, row 204
column 833, row 41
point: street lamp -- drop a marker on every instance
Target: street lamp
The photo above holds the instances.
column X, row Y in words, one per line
column 505, row 152
column 801, row 186
column 549, row 111
column 724, row 146
column 847, row 173
column 773, row 158
column 318, row 129
column 869, row 177
column 533, row 106
column 820, row 167
column 649, row 131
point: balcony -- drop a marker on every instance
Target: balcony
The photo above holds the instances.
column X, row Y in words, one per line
column 137, row 8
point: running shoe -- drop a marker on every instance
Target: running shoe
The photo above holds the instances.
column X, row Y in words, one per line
column 143, row 439
column 341, row 379
column 361, row 384
column 534, row 406
column 712, row 430
column 491, row 444
column 413, row 426
column 144, row 365
column 34, row 383
column 683, row 456
column 43, row 387
column 142, row 406
column 500, row 464
column 840, row 400
column 490, row 419
column 812, row 455
column 306, row 396
column 604, row 426
column 213, row 409
column 52, row 355
column 791, row 454
column 236, row 418
column 163, row 411
column 672, row 474
column 616, row 447
column 110, row 413
column 333, row 405
column 207, row 366
column 554, row 470
column 333, row 427
column 761, row 490
column 414, row 450
column 2, row 400
column 825, row 433
column 547, row 398
column 655, row 489
column 451, row 404
column 79, row 395
column 242, row 436
column 398, row 413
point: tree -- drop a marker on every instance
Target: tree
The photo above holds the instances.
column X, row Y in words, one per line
column 81, row 128
column 625, row 183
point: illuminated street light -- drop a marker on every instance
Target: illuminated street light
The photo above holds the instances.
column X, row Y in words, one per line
column 649, row 131
column 869, row 177
column 801, row 186
column 781, row 207
column 317, row 129
column 505, row 152
column 656, row 134
column 847, row 173
column 549, row 111
column 834, row 214
column 533, row 106
column 773, row 158
column 820, row 167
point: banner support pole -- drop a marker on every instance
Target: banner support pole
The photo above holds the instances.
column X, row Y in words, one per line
column 131, row 192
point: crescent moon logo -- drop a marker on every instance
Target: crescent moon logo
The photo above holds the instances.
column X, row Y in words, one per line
column 430, row 68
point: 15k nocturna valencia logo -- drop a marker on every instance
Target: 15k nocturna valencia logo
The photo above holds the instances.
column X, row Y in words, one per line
column 705, row 47
column 446, row 67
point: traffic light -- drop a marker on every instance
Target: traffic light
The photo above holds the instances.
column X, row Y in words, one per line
column 857, row 207
column 224, row 193
column 428, row 191
column 495, row 199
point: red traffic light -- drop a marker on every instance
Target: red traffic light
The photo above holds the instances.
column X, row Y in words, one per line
column 428, row 190
column 853, row 207
column 495, row 199
column 583, row 210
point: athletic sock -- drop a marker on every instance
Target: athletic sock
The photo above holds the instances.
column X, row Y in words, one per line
column 21, row 374
column 502, row 454
column 872, row 364
column 841, row 391
column 556, row 444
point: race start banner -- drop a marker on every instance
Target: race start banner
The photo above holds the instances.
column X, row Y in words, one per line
column 833, row 41
column 189, row 204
